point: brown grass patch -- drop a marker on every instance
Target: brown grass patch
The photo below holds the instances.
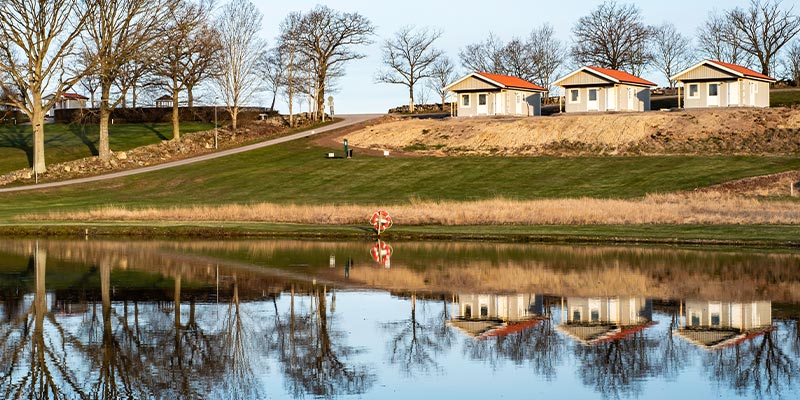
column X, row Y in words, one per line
column 689, row 208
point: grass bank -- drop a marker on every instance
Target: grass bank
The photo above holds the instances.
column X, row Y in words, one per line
column 65, row 142
column 717, row 235
column 298, row 173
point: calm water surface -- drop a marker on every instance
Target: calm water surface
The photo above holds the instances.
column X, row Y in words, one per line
column 292, row 319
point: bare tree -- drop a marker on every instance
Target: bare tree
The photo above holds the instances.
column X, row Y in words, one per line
column 239, row 25
column 202, row 56
column 712, row 43
column 547, row 53
column 273, row 66
column 671, row 51
column 178, row 34
column 86, row 64
column 791, row 63
column 408, row 57
column 288, row 43
column 442, row 74
column 36, row 39
column 763, row 29
column 486, row 56
column 517, row 60
column 325, row 38
column 612, row 36
column 121, row 32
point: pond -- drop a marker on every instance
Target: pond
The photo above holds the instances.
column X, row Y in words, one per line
column 279, row 319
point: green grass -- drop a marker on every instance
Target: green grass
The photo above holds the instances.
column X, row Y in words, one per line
column 64, row 142
column 784, row 98
column 298, row 172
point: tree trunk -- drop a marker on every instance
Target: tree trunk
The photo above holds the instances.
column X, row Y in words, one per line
column 411, row 99
column 37, row 123
column 320, row 100
column 103, row 150
column 133, row 95
column 274, row 96
column 176, row 123
column 234, row 117
column 189, row 96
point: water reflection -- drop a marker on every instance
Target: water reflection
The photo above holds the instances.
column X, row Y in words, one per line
column 278, row 319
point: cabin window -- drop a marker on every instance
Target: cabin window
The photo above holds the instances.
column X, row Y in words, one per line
column 592, row 94
column 574, row 95
column 482, row 99
column 695, row 319
column 694, row 90
column 715, row 320
column 595, row 315
column 467, row 311
column 576, row 314
column 465, row 100
column 484, row 310
column 713, row 89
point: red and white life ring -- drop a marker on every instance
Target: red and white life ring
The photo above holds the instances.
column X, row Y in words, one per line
column 381, row 253
column 381, row 221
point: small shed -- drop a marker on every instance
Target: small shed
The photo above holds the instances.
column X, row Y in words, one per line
column 483, row 94
column 593, row 88
column 712, row 83
column 164, row 101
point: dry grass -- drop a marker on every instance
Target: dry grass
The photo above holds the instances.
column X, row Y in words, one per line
column 691, row 208
column 525, row 136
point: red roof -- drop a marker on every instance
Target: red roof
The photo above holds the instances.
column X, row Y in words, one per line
column 622, row 76
column 742, row 70
column 512, row 81
column 73, row 96
column 511, row 328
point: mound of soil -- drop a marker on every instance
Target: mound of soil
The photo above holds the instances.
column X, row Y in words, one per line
column 706, row 131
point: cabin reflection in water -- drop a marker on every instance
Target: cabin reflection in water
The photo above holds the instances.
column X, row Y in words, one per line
column 598, row 320
column 717, row 324
column 487, row 315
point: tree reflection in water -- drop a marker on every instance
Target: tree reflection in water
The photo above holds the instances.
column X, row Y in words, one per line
column 618, row 367
column 758, row 365
column 312, row 352
column 414, row 343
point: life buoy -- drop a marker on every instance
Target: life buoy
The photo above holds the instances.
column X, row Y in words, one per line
column 381, row 253
column 381, row 220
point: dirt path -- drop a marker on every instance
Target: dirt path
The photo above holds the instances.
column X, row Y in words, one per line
column 348, row 120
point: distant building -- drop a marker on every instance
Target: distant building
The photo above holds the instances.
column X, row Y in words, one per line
column 597, row 320
column 712, row 83
column 67, row 101
column 484, row 94
column 488, row 315
column 601, row 89
column 164, row 101
column 716, row 324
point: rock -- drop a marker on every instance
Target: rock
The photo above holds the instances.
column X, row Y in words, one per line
column 67, row 169
column 122, row 155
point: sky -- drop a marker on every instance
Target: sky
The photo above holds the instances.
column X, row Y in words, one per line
column 464, row 22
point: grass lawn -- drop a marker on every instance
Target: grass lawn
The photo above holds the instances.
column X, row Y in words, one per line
column 784, row 98
column 297, row 172
column 64, row 142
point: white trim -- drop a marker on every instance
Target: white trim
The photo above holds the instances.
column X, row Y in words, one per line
column 596, row 102
column 585, row 69
column 709, row 96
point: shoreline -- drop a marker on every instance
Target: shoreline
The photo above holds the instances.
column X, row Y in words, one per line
column 772, row 236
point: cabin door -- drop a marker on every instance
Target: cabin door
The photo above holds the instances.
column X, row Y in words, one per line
column 499, row 104
column 631, row 99
column 611, row 99
column 733, row 94
column 592, row 102
column 713, row 95
column 520, row 103
column 483, row 103
column 753, row 93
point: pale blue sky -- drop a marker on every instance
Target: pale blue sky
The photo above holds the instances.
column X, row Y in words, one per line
column 465, row 22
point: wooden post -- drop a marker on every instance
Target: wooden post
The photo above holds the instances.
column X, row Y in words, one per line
column 679, row 96
column 559, row 99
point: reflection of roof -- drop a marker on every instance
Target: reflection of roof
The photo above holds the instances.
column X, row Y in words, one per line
column 482, row 329
column 719, row 338
column 591, row 334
